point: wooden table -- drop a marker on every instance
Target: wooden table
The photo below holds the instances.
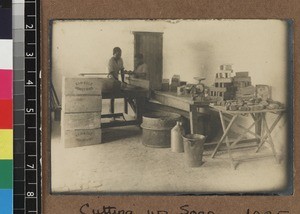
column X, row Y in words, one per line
column 262, row 131
column 184, row 105
column 136, row 99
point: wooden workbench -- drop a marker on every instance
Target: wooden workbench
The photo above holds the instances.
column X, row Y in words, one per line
column 196, row 111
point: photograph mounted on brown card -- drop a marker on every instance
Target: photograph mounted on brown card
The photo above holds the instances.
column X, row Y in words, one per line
column 170, row 106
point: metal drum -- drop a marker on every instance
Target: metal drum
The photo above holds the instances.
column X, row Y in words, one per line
column 157, row 128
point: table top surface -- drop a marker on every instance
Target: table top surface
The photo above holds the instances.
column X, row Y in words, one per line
column 183, row 98
column 125, row 94
column 222, row 109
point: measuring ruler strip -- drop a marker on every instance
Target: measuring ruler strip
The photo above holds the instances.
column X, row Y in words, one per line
column 26, row 107
column 19, row 106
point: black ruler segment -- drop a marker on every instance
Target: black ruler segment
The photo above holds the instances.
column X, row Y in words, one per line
column 32, row 168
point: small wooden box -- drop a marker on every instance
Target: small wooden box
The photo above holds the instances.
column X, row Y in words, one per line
column 81, row 121
column 77, row 104
column 82, row 137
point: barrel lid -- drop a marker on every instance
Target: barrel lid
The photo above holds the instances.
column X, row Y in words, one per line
column 194, row 137
column 160, row 119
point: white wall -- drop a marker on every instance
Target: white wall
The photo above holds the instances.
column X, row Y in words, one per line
column 190, row 48
column 255, row 46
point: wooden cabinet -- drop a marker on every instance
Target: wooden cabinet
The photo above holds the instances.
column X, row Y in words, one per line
column 150, row 44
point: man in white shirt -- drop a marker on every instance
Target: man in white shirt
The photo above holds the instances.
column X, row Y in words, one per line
column 115, row 65
column 141, row 68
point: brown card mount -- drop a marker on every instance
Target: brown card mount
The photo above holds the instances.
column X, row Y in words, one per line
column 96, row 12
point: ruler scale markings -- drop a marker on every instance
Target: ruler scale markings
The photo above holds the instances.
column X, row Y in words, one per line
column 36, row 119
column 32, row 202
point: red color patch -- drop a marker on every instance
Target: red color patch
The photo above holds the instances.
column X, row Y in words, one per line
column 6, row 84
column 6, row 114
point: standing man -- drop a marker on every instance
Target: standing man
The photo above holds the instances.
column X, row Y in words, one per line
column 115, row 66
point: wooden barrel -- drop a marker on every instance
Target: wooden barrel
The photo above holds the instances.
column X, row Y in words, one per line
column 157, row 128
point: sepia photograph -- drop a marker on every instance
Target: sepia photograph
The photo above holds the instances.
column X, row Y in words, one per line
column 170, row 107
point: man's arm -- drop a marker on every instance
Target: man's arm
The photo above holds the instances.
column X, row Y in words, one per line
column 122, row 70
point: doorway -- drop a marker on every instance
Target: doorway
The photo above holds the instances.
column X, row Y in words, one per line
column 150, row 44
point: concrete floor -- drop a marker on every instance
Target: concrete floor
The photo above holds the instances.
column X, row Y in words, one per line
column 125, row 165
column 122, row 164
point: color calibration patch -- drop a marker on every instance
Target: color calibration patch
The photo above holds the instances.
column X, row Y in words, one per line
column 6, row 106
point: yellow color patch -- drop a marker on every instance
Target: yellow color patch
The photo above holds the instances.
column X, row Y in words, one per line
column 6, row 144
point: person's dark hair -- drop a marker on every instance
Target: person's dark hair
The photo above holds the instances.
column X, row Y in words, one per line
column 116, row 50
column 139, row 56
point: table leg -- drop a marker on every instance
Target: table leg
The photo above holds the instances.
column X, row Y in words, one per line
column 193, row 119
column 246, row 130
column 265, row 136
column 268, row 132
column 112, row 106
column 226, row 140
column 258, row 124
column 125, row 106
column 197, row 121
column 262, row 134
column 224, row 134
column 140, row 105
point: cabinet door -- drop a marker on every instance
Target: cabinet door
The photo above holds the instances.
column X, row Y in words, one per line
column 150, row 45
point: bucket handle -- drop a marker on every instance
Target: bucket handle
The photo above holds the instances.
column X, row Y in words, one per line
column 192, row 141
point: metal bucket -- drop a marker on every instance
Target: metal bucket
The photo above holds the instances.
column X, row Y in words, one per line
column 157, row 128
column 193, row 149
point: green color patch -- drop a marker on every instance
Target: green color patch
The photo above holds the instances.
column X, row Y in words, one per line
column 6, row 174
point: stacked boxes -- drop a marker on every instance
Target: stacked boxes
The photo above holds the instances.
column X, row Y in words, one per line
column 165, row 85
column 242, row 79
column 175, row 82
column 81, row 111
column 223, row 86
column 229, row 88
column 242, row 82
